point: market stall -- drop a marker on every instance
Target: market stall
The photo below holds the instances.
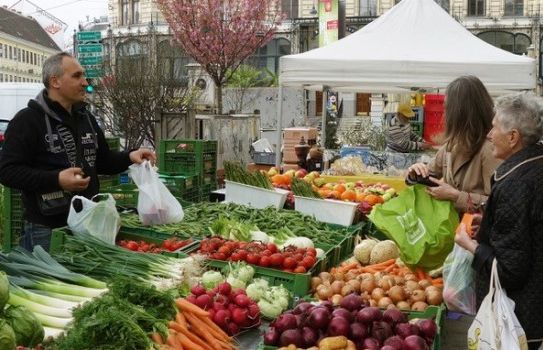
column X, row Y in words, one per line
column 416, row 44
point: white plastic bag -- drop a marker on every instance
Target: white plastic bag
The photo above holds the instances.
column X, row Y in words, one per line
column 99, row 219
column 156, row 205
column 458, row 281
column 496, row 326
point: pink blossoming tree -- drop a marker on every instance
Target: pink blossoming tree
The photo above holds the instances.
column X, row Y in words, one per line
column 220, row 34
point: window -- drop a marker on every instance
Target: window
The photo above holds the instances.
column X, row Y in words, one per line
column 290, row 8
column 18, row 57
column 515, row 43
column 10, row 52
column 135, row 15
column 1, row 77
column 476, row 7
column 268, row 56
column 131, row 55
column 23, row 56
column 173, row 63
column 124, row 12
column 368, row 7
column 514, row 8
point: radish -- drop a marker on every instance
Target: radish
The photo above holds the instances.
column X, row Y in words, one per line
column 225, row 288
column 221, row 319
column 242, row 300
column 198, row 290
column 239, row 316
column 204, row 301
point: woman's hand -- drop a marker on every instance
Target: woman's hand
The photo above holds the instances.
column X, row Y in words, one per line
column 465, row 241
column 443, row 191
column 418, row 169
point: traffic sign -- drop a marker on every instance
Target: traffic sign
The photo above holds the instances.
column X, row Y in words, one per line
column 89, row 48
column 93, row 73
column 89, row 36
column 90, row 60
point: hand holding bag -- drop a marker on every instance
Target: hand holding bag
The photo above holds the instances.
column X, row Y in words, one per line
column 458, row 281
column 156, row 205
column 97, row 218
column 496, row 327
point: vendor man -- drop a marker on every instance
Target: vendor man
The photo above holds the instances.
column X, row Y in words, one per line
column 55, row 149
column 399, row 136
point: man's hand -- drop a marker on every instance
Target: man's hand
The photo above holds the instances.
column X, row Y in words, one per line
column 138, row 156
column 72, row 180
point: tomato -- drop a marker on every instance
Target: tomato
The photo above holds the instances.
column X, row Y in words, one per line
column 167, row 244
column 308, row 262
column 178, row 245
column 289, row 263
column 266, row 252
column 145, row 247
column 311, row 251
column 299, row 269
column 225, row 249
column 242, row 254
column 253, row 259
column 271, row 247
column 276, row 259
column 235, row 256
column 265, row 261
column 298, row 256
column 218, row 256
column 132, row 245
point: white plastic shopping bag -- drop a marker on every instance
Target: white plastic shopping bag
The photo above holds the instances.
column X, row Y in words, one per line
column 98, row 218
column 496, row 326
column 156, row 205
column 459, row 282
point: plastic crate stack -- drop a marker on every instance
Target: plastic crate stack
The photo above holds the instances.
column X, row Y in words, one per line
column 434, row 116
column 190, row 158
column 108, row 181
column 12, row 215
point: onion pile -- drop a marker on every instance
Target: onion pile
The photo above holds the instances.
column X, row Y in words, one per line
column 380, row 289
column 366, row 326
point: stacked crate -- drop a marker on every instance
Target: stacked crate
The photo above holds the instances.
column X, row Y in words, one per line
column 190, row 158
column 12, row 215
column 108, row 181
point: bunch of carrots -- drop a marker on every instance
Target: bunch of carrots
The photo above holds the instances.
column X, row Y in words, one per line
column 390, row 267
column 192, row 329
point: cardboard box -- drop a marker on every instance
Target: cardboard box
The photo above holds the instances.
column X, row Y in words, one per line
column 252, row 167
column 297, row 133
column 289, row 166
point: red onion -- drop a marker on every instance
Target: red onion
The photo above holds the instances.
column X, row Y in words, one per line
column 339, row 326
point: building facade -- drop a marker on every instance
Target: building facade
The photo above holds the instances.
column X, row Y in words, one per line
column 24, row 46
column 513, row 25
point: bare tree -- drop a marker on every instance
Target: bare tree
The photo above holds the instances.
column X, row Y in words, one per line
column 134, row 92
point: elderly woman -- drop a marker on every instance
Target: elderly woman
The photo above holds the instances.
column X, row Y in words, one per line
column 511, row 230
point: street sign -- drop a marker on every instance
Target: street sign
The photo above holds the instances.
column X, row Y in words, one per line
column 90, row 60
column 93, row 73
column 89, row 48
column 89, row 36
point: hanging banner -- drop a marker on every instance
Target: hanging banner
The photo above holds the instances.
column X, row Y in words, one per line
column 328, row 21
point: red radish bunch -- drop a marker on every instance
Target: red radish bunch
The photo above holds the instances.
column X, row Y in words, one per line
column 232, row 310
column 290, row 259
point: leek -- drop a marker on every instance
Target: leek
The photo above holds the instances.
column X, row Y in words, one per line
column 52, row 332
column 55, row 286
column 54, row 322
column 43, row 299
column 16, row 300
column 74, row 298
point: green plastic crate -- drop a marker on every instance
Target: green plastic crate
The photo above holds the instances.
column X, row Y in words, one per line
column 187, row 163
column 126, row 195
column 436, row 313
column 12, row 214
column 107, row 181
column 114, row 143
column 180, row 184
column 187, row 146
column 58, row 239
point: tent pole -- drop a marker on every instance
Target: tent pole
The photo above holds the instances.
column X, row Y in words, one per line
column 279, row 126
column 324, row 112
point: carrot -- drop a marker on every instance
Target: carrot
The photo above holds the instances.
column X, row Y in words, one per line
column 369, row 269
column 467, row 220
column 187, row 343
column 225, row 345
column 157, row 338
column 390, row 268
column 194, row 338
column 187, row 306
column 172, row 341
column 383, row 264
column 437, row 281
column 420, row 274
column 348, row 267
column 200, row 328
column 179, row 318
column 221, row 335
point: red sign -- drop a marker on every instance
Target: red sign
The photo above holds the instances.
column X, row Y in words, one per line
column 332, row 24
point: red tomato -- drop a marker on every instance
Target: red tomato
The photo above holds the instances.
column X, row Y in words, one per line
column 265, row 261
column 218, row 256
column 276, row 259
column 311, row 251
column 168, row 244
column 271, row 247
column 235, row 256
column 242, row 254
column 266, row 252
column 225, row 249
column 308, row 262
column 299, row 269
column 298, row 256
column 253, row 259
column 132, row 245
column 289, row 263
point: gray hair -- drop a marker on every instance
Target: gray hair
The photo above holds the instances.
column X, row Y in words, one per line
column 53, row 67
column 524, row 112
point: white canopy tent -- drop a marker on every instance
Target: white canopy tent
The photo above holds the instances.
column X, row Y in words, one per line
column 416, row 44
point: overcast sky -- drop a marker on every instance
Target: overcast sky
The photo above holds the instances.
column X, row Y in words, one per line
column 70, row 12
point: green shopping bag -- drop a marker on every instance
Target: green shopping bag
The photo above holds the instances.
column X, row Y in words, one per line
column 422, row 227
